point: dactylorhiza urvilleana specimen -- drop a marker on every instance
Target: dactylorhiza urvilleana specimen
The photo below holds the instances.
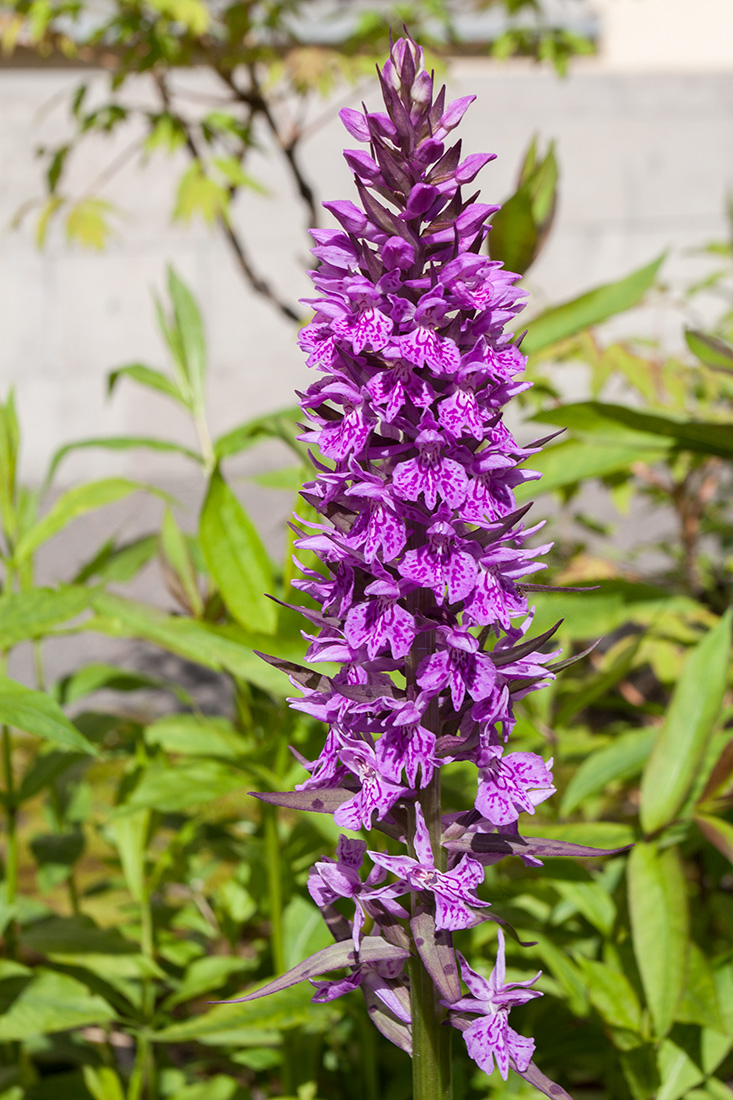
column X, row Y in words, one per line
column 421, row 547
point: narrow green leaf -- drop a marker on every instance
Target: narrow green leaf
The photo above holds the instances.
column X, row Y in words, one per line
column 614, row 603
column 147, row 376
column 36, row 713
column 659, row 927
column 120, row 443
column 622, row 760
column 678, row 1072
column 560, row 322
column 189, row 784
column 97, row 676
column 514, row 234
column 177, row 557
column 103, row 1083
column 236, row 558
column 680, row 744
column 191, row 735
column 620, row 425
column 612, row 995
column 130, row 835
column 710, row 350
column 575, row 461
column 9, row 448
column 191, row 332
column 34, row 612
column 52, row 1002
column 699, row 1004
column 281, row 425
column 222, row 648
column 118, row 563
column 72, row 504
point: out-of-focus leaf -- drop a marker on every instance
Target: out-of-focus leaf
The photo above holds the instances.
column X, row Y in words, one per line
column 281, row 425
column 147, row 376
column 618, row 424
column 217, row 1087
column 199, row 195
column 699, row 1003
column 115, row 563
column 56, row 854
column 236, row 558
column 560, row 322
column 121, row 443
column 98, row 677
column 103, row 1083
column 677, row 1071
column 52, row 1002
column 617, row 664
column 190, row 328
column 624, row 759
column 192, row 735
column 224, row 649
column 584, row 895
column 34, row 612
column 37, row 713
column 130, row 836
column 9, row 447
column 710, row 350
column 188, row 784
column 614, row 603
column 304, row 930
column 72, row 504
column 520, row 228
column 659, row 926
column 691, row 716
column 639, row 1067
column 87, row 223
column 612, row 995
column 253, row 1024
column 575, row 461
column 718, row 832
column 177, row 557
column 207, row 975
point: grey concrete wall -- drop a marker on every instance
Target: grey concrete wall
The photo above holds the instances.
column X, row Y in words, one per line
column 645, row 162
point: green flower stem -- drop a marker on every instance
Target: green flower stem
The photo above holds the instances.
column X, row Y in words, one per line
column 431, row 1037
column 11, row 841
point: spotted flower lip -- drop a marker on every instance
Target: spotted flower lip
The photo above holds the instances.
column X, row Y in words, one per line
column 419, row 550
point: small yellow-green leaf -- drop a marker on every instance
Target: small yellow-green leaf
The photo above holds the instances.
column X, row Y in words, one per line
column 52, row 1002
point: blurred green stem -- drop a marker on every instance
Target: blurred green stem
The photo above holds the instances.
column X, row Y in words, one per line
column 11, row 842
column 145, row 1069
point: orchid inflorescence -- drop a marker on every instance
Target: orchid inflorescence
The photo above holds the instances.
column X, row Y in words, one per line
column 421, row 548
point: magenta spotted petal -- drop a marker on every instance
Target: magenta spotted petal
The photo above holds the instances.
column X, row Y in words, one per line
column 431, row 475
column 512, row 784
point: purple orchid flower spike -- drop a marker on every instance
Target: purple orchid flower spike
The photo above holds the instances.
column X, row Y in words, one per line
column 332, row 879
column 454, row 891
column 490, row 1039
column 422, row 552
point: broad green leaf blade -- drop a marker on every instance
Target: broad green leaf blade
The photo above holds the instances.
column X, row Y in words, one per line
column 36, row 713
column 622, row 760
column 120, row 443
column 612, row 995
column 620, row 425
column 34, row 612
column 103, row 1083
column 147, row 376
column 191, row 335
column 613, row 604
column 691, row 716
column 710, row 350
column 659, row 927
column 72, row 504
column 97, row 676
column 52, row 1002
column 560, row 322
column 194, row 735
column 252, row 1024
column 236, row 558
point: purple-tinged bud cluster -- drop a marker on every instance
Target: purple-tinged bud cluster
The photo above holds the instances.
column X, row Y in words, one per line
column 421, row 545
